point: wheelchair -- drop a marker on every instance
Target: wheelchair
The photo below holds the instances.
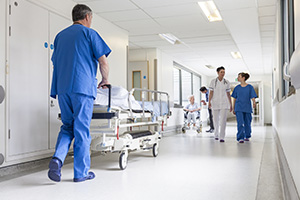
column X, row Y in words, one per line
column 198, row 125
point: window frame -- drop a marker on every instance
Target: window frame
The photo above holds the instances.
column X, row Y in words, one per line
column 182, row 68
column 287, row 41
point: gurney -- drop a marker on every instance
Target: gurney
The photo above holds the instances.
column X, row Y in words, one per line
column 112, row 126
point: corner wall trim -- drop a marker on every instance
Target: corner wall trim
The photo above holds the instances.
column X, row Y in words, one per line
column 289, row 188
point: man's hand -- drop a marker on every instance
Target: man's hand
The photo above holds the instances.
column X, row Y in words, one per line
column 103, row 82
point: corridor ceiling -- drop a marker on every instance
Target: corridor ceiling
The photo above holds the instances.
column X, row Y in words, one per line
column 248, row 26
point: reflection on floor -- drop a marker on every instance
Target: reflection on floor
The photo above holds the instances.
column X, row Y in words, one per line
column 189, row 166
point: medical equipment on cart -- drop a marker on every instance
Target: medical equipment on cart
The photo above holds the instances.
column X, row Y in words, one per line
column 198, row 125
column 107, row 122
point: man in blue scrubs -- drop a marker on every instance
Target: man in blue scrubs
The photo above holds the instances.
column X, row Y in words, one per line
column 77, row 51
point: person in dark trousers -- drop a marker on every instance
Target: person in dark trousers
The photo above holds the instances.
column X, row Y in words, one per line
column 205, row 91
column 78, row 50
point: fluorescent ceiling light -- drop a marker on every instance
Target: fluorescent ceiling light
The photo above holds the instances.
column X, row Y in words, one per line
column 170, row 38
column 209, row 66
column 236, row 55
column 210, row 10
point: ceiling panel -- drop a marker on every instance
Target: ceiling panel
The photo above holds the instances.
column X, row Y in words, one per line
column 266, row 2
column 146, row 24
column 188, row 40
column 245, row 27
column 186, row 23
column 144, row 38
column 267, row 20
column 267, row 27
column 267, row 11
column 234, row 4
column 128, row 15
column 174, row 10
column 111, row 5
column 158, row 3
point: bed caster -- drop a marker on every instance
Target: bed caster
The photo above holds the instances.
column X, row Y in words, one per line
column 198, row 130
column 155, row 150
column 123, row 160
column 183, row 130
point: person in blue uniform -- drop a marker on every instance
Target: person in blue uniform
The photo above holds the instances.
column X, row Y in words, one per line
column 242, row 96
column 205, row 91
column 78, row 50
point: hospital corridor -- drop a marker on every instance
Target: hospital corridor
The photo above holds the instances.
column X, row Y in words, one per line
column 150, row 99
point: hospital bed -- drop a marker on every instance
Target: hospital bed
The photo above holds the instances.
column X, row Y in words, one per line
column 112, row 126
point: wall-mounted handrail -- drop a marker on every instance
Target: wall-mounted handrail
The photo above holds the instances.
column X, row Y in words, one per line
column 286, row 76
column 2, row 94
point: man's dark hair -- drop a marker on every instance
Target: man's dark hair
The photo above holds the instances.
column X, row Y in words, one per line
column 202, row 89
column 245, row 75
column 80, row 11
column 220, row 68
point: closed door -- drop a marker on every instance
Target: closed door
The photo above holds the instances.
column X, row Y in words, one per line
column 28, row 79
column 138, row 77
column 137, row 83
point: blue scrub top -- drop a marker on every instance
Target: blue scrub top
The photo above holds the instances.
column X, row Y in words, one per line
column 75, row 60
column 207, row 95
column 243, row 96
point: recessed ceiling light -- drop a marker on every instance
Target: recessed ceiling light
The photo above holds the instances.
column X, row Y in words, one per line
column 170, row 38
column 210, row 10
column 236, row 55
column 209, row 66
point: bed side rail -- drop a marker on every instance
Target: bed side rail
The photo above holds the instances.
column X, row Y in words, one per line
column 152, row 92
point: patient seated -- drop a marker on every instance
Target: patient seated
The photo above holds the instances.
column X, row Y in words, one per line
column 192, row 110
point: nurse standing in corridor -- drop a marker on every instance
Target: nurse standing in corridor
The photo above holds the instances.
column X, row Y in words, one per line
column 77, row 51
column 243, row 94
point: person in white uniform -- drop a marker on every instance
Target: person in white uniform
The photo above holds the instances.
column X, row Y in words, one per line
column 220, row 103
column 192, row 110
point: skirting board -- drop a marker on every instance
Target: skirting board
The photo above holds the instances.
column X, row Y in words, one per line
column 171, row 130
column 289, row 188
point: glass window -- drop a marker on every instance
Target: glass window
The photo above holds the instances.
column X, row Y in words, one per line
column 186, row 86
column 287, row 11
column 185, row 83
column 176, row 85
column 196, row 88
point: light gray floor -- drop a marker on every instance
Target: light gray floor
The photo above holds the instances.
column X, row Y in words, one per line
column 189, row 166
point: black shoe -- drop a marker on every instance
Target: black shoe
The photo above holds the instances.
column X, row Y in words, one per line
column 208, row 131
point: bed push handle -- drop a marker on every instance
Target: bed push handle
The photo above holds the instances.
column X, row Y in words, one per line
column 109, row 96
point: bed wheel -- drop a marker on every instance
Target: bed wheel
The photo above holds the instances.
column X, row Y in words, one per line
column 155, row 150
column 198, row 130
column 183, row 130
column 123, row 160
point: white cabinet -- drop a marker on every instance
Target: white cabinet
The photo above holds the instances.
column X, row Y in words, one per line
column 32, row 122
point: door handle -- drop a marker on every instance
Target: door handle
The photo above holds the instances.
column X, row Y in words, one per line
column 2, row 94
column 52, row 104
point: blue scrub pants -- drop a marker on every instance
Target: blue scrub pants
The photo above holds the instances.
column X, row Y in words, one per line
column 76, row 114
column 243, row 125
